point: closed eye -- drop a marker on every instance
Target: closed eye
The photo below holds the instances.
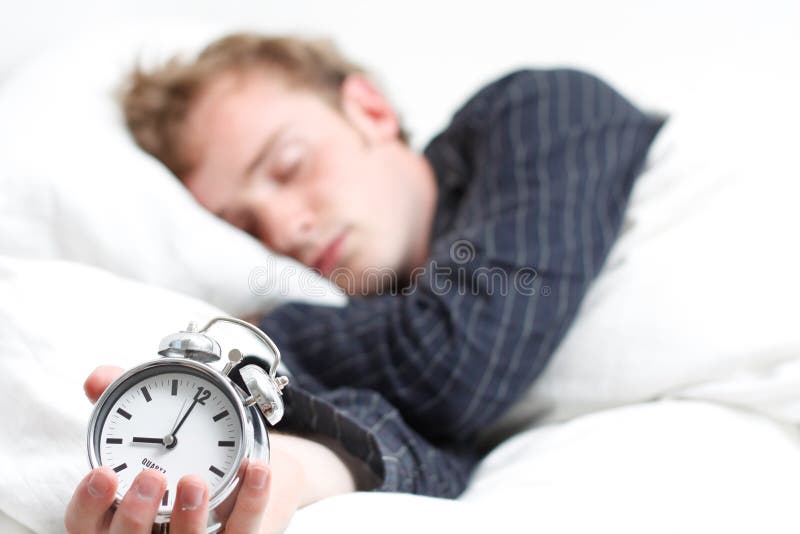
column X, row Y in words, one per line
column 289, row 161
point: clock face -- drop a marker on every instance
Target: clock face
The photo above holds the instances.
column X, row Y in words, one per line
column 174, row 420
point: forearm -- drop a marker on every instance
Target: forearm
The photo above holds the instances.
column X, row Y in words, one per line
column 321, row 468
column 302, row 472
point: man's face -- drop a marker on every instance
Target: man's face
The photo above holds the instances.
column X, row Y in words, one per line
column 332, row 189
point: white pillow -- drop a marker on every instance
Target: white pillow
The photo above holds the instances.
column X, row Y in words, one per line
column 698, row 297
column 76, row 187
column 58, row 321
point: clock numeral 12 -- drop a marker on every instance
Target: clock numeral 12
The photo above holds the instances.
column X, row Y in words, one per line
column 202, row 395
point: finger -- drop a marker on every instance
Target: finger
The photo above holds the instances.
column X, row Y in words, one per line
column 251, row 503
column 89, row 510
column 99, row 380
column 190, row 513
column 137, row 511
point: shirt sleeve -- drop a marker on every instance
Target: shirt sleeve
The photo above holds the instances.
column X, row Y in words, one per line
column 373, row 431
column 552, row 156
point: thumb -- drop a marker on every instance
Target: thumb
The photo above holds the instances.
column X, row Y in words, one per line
column 99, row 380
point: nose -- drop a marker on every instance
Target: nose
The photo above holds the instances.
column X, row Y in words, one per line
column 283, row 221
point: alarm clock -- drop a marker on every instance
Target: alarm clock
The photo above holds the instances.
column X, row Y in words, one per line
column 181, row 414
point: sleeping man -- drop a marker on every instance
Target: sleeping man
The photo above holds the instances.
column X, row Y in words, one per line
column 465, row 264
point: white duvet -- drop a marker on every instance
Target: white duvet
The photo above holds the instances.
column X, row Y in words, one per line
column 671, row 406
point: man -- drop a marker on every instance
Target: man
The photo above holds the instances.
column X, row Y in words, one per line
column 491, row 237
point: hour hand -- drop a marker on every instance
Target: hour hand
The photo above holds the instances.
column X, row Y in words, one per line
column 156, row 441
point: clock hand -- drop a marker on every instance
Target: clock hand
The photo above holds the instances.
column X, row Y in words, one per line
column 175, row 423
column 159, row 441
column 191, row 407
column 171, row 440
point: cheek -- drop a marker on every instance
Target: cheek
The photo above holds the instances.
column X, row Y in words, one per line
column 333, row 185
column 351, row 188
column 386, row 236
column 344, row 186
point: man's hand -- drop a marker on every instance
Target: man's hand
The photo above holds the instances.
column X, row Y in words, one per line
column 302, row 471
column 89, row 510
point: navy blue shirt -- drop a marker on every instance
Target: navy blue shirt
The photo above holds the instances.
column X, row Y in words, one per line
column 533, row 174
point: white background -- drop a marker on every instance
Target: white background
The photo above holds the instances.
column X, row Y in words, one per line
column 432, row 54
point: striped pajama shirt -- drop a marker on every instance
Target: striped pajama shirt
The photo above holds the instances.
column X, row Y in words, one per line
column 533, row 173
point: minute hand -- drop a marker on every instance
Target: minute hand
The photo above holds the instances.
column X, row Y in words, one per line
column 191, row 407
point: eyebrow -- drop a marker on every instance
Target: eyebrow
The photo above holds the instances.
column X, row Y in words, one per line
column 264, row 151
column 267, row 147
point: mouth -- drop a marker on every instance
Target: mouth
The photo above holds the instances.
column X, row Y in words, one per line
column 328, row 260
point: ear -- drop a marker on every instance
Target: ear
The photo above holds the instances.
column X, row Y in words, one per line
column 368, row 110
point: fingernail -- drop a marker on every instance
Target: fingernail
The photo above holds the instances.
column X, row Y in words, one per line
column 257, row 477
column 148, row 487
column 98, row 485
column 191, row 496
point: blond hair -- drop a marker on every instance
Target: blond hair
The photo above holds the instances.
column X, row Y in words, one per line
column 156, row 103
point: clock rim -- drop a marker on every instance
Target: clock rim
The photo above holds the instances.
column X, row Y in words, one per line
column 237, row 397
